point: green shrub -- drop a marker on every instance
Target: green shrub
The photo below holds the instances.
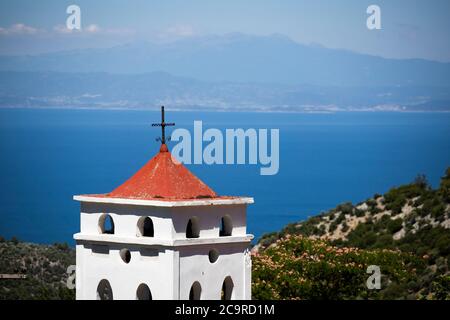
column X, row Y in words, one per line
column 308, row 228
column 444, row 188
column 396, row 205
column 383, row 241
column 345, row 208
column 394, row 225
column 345, row 227
column 333, row 226
column 359, row 213
column 374, row 210
column 441, row 287
column 438, row 210
column 371, row 203
column 321, row 230
column 443, row 244
column 396, row 198
column 268, row 238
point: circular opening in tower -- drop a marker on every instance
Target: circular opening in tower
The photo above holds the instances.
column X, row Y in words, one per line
column 213, row 255
column 125, row 254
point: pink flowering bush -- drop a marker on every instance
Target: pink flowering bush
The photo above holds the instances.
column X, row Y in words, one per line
column 297, row 267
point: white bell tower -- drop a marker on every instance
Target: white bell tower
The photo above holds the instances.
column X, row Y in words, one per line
column 163, row 234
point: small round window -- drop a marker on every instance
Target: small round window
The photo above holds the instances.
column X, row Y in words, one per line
column 125, row 254
column 213, row 255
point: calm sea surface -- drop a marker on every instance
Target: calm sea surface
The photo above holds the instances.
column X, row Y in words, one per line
column 47, row 156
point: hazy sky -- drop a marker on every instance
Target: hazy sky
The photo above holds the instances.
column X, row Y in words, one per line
column 410, row 28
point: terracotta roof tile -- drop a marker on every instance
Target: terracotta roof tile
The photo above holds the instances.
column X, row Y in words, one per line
column 163, row 178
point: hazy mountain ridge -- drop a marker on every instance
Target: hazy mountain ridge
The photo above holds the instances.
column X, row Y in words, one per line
column 242, row 58
column 229, row 72
column 149, row 90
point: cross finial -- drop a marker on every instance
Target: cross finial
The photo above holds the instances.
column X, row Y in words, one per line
column 163, row 126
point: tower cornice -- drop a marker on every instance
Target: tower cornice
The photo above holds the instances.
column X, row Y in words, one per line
column 165, row 203
column 142, row 241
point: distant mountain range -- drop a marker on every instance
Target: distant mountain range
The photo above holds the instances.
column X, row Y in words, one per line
column 234, row 71
column 148, row 91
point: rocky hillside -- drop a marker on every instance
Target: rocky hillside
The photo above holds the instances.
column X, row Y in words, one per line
column 34, row 271
column 412, row 219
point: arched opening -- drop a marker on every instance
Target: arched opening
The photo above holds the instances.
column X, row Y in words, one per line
column 125, row 254
column 143, row 292
column 226, row 226
column 106, row 224
column 104, row 290
column 145, row 227
column 196, row 291
column 213, row 255
column 227, row 289
column 192, row 228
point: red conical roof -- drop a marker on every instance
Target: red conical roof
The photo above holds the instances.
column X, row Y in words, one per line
column 163, row 178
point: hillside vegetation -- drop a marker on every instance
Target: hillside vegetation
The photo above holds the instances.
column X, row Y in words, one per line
column 45, row 268
column 411, row 222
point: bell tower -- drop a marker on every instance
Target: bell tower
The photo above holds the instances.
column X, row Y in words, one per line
column 163, row 234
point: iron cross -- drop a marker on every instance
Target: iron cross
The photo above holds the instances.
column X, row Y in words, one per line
column 163, row 126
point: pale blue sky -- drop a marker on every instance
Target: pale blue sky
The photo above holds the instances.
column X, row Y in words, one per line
column 410, row 29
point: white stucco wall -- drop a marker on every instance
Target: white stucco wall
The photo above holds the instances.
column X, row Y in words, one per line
column 195, row 266
column 125, row 219
column 169, row 223
column 209, row 219
column 154, row 268
column 177, row 262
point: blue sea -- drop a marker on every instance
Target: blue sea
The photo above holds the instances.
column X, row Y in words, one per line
column 47, row 156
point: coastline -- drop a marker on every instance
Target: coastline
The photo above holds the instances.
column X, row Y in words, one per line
column 215, row 110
